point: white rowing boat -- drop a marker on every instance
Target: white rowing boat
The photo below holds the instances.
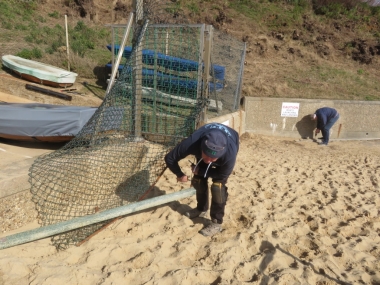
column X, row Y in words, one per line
column 39, row 72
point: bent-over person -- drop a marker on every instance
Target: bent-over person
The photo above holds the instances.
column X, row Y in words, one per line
column 215, row 147
column 326, row 117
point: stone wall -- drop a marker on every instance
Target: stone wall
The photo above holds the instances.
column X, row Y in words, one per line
column 358, row 119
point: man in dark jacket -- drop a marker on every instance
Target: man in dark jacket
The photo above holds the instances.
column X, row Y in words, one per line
column 326, row 117
column 215, row 147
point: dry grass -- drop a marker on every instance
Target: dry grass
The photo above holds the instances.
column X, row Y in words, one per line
column 322, row 80
column 308, row 57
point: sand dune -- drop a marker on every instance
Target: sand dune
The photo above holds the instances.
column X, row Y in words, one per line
column 297, row 213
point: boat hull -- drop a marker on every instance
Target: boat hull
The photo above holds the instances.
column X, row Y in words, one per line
column 39, row 72
column 42, row 81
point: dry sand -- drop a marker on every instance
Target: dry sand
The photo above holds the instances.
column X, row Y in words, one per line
column 297, row 213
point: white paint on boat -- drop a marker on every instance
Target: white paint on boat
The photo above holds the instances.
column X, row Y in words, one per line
column 39, row 70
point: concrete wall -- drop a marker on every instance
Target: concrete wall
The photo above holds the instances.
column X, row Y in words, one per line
column 234, row 120
column 358, row 119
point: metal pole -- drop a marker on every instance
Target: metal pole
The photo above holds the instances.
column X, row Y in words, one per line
column 47, row 231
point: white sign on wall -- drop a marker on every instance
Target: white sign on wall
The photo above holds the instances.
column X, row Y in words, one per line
column 226, row 123
column 290, row 109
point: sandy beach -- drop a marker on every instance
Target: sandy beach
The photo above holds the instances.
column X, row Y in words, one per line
column 297, row 213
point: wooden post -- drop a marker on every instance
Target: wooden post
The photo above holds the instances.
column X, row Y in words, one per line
column 167, row 43
column 339, row 129
column 240, row 83
column 137, row 70
column 67, row 44
column 208, row 35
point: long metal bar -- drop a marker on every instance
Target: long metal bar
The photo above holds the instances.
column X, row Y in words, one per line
column 47, row 231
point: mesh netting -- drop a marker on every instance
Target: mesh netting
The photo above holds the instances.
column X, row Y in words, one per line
column 230, row 53
column 118, row 156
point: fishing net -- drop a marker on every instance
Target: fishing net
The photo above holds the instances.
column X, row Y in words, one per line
column 154, row 103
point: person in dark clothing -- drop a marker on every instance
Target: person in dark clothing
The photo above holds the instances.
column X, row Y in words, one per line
column 326, row 117
column 215, row 147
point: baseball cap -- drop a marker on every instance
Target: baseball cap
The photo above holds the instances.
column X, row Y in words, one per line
column 214, row 144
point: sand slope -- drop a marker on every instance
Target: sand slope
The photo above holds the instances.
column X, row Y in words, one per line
column 297, row 213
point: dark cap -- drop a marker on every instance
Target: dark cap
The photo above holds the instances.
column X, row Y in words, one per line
column 214, row 144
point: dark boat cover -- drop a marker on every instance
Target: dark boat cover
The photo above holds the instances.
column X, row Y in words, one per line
column 43, row 120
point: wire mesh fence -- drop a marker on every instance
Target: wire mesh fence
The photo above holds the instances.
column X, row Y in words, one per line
column 229, row 53
column 154, row 103
column 227, row 63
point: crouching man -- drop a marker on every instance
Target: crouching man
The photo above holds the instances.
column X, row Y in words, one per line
column 215, row 147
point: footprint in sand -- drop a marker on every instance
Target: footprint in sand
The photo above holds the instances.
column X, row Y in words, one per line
column 309, row 244
column 246, row 272
column 313, row 225
column 141, row 260
column 244, row 221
